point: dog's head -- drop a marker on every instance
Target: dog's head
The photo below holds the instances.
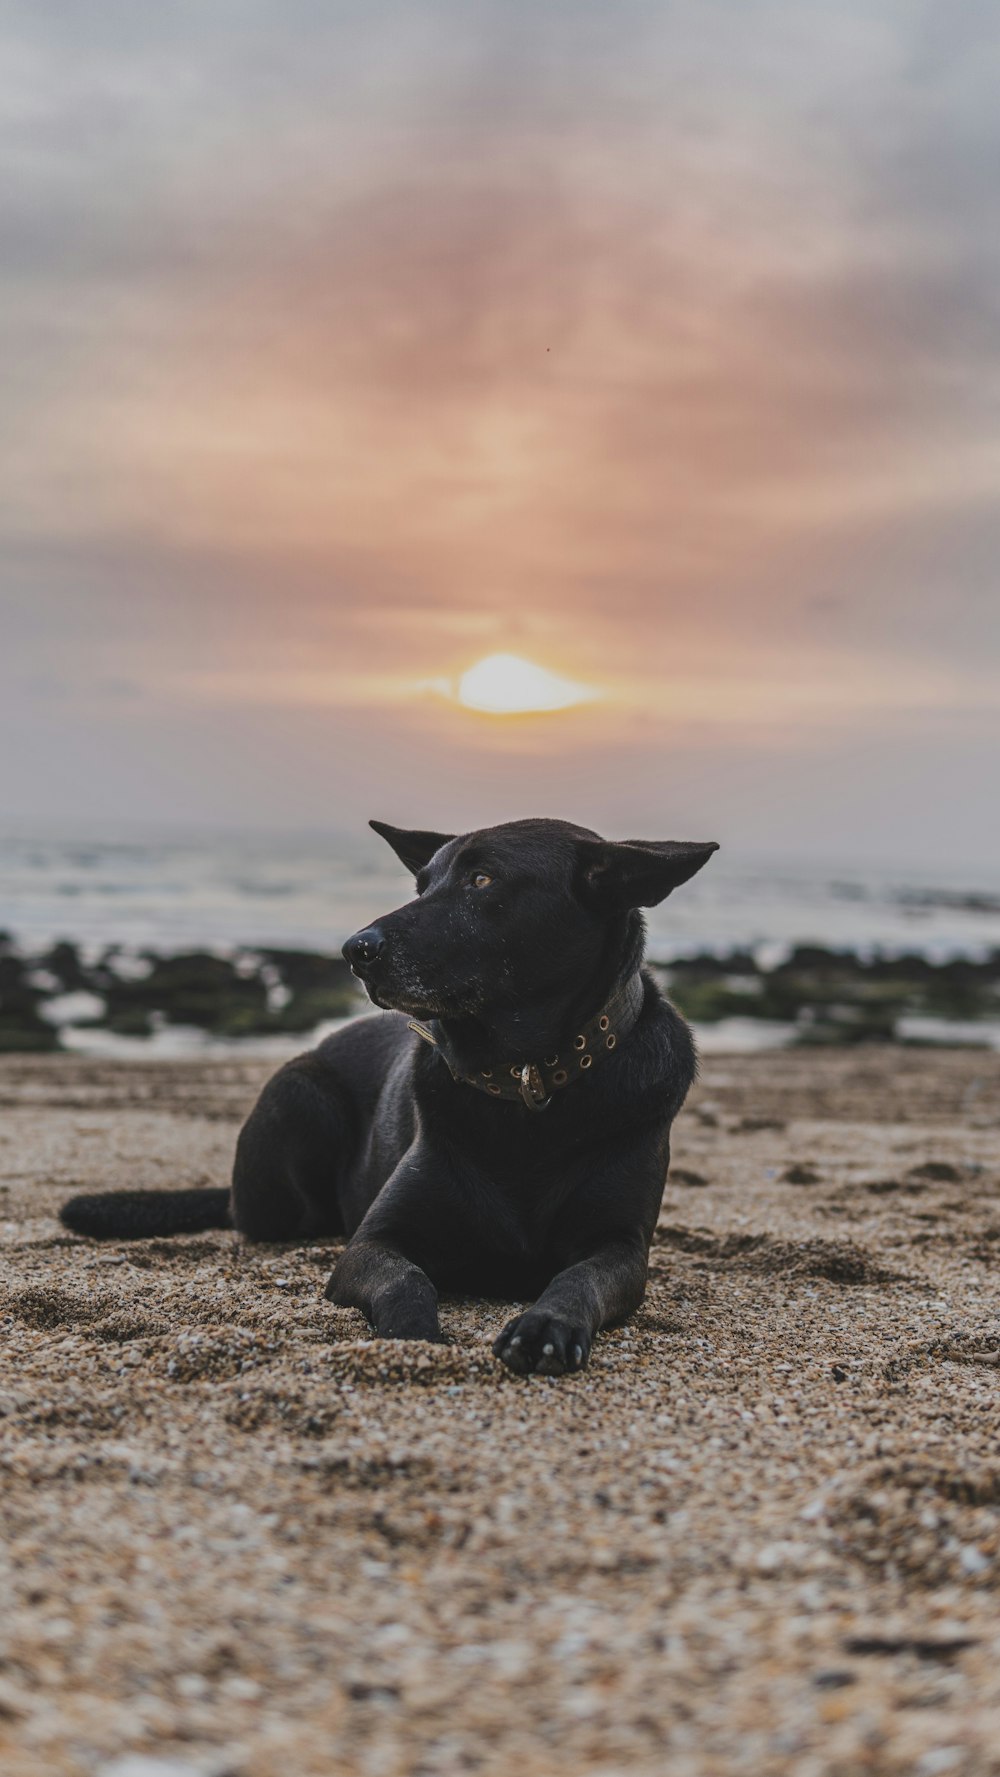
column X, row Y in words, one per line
column 509, row 914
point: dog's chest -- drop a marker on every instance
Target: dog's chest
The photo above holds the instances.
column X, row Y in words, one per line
column 522, row 1180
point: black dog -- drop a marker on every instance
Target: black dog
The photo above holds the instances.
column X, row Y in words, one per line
column 505, row 1130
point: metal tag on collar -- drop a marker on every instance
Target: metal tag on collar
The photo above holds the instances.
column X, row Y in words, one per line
column 532, row 1090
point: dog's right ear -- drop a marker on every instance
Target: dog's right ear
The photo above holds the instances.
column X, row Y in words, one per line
column 412, row 847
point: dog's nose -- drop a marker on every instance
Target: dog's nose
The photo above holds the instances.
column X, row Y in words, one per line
column 363, row 949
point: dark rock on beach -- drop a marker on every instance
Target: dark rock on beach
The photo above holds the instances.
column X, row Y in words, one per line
column 21, row 1024
column 247, row 993
column 835, row 997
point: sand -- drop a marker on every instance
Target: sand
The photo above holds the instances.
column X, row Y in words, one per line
column 760, row 1535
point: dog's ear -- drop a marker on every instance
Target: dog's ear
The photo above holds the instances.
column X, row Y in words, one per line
column 640, row 872
column 412, row 848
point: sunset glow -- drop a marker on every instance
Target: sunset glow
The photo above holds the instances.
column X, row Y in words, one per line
column 439, row 401
column 506, row 685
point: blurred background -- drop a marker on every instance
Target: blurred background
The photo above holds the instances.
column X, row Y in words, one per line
column 647, row 353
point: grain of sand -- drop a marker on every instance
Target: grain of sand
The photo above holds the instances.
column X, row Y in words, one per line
column 760, row 1535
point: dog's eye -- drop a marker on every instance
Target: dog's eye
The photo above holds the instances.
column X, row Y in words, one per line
column 479, row 879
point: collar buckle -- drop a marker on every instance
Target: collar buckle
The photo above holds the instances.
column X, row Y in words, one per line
column 533, row 1089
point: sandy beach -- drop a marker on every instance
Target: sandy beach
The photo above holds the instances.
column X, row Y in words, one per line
column 760, row 1535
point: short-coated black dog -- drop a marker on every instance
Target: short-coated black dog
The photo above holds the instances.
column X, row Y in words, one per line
column 504, row 1131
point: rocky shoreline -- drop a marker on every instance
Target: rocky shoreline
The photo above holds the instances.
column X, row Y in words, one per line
column 837, row 996
column 133, row 993
column 813, row 995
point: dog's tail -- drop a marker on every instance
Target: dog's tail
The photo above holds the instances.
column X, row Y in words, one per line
column 146, row 1215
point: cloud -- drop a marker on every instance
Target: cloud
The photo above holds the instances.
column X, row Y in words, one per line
column 351, row 343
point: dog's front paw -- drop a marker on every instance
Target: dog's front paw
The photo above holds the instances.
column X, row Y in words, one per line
column 540, row 1344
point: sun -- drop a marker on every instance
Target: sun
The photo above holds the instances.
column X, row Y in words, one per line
column 506, row 685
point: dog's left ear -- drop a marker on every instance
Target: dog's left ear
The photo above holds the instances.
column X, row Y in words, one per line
column 640, row 872
column 412, row 847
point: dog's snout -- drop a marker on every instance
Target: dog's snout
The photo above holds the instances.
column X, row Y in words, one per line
column 364, row 948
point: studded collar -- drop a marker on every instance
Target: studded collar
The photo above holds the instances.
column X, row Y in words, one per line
column 534, row 1082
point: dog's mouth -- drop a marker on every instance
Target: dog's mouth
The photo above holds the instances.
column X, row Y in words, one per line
column 411, row 998
column 396, row 1003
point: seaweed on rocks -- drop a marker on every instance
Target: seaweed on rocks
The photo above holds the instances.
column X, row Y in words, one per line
column 247, row 993
column 834, row 996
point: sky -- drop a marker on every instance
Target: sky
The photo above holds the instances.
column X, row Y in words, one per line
column 658, row 343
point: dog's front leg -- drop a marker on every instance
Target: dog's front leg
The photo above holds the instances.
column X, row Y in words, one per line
column 600, row 1247
column 556, row 1334
column 375, row 1273
column 397, row 1297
